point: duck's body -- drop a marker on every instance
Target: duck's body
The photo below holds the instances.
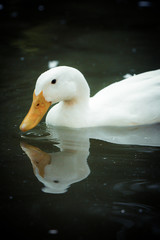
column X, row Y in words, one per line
column 133, row 101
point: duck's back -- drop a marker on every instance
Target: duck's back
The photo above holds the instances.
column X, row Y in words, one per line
column 133, row 101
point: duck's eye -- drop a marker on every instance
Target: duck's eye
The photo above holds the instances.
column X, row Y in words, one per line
column 53, row 81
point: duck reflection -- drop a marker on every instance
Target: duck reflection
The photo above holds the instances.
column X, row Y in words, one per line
column 58, row 170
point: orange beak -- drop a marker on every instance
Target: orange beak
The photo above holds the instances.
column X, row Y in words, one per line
column 38, row 109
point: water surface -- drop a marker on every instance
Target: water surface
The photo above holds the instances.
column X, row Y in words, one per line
column 78, row 184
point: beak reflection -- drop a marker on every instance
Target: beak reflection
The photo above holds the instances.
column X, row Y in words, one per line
column 57, row 170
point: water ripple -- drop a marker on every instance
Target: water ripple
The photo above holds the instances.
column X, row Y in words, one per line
column 134, row 186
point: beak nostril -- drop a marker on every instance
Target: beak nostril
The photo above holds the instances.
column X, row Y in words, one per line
column 56, row 181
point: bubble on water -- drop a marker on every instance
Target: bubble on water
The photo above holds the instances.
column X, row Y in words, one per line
column 144, row 4
column 134, row 50
column 14, row 14
column 127, row 75
column 1, row 7
column 63, row 21
column 140, row 210
column 53, row 231
column 41, row 8
column 123, row 211
column 52, row 64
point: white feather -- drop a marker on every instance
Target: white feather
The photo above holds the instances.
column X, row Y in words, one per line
column 133, row 101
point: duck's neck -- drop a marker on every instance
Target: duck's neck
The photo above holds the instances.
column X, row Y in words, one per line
column 81, row 97
column 75, row 110
column 77, row 101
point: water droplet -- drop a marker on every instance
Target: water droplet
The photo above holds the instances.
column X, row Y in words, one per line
column 123, row 211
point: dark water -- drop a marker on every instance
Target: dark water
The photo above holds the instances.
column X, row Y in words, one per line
column 58, row 183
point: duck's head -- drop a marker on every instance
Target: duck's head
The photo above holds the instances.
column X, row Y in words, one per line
column 55, row 85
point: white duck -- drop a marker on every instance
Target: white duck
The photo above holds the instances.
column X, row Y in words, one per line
column 133, row 101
